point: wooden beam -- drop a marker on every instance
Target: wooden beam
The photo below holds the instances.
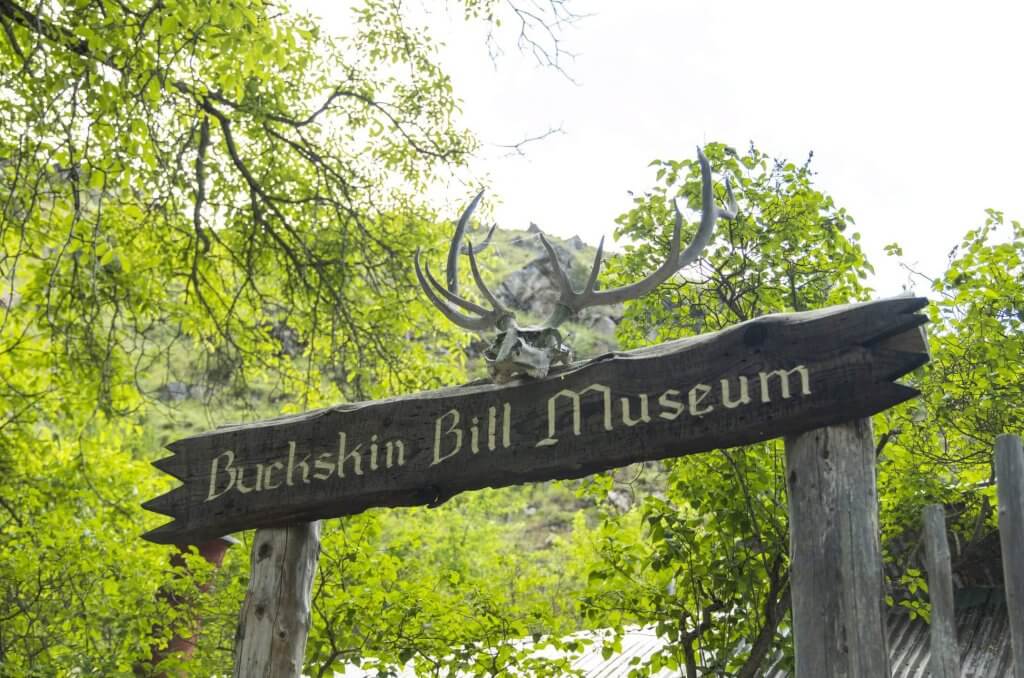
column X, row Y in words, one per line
column 762, row 379
column 945, row 654
column 274, row 622
column 1010, row 478
column 835, row 555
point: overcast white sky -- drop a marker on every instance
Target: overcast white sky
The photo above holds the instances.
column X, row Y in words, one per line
column 913, row 110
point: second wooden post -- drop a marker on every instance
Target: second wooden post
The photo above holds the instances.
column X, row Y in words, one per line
column 275, row 618
column 836, row 564
column 945, row 655
column 1009, row 464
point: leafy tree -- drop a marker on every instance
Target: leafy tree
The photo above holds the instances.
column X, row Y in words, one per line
column 706, row 560
column 711, row 568
column 939, row 448
column 213, row 192
column 206, row 165
column 218, row 193
column 444, row 590
column 973, row 382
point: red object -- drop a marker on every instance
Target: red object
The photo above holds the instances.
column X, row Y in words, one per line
column 212, row 552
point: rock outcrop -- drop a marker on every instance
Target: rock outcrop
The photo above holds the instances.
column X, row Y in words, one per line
column 533, row 289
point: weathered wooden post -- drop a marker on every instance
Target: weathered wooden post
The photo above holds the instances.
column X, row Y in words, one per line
column 835, row 556
column 945, row 654
column 274, row 622
column 1010, row 480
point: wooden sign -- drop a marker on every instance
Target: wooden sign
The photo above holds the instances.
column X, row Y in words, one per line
column 755, row 381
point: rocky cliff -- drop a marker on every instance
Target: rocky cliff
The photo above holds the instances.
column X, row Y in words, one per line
column 527, row 284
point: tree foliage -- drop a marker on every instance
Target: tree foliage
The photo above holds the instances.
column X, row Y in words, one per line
column 707, row 561
column 711, row 570
column 939, row 449
column 182, row 186
column 220, row 194
column 253, row 153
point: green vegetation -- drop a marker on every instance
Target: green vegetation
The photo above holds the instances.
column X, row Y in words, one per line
column 202, row 194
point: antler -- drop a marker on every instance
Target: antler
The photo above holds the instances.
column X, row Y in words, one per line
column 447, row 299
column 448, row 302
column 570, row 302
column 457, row 248
column 710, row 213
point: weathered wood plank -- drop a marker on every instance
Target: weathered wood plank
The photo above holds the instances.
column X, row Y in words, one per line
column 761, row 379
column 274, row 622
column 945, row 653
column 835, row 555
column 1010, row 479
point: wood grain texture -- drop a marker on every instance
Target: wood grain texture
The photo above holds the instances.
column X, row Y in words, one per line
column 1010, row 478
column 835, row 554
column 275, row 618
column 712, row 391
column 945, row 653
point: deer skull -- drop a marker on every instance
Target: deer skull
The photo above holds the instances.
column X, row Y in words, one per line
column 531, row 351
column 525, row 351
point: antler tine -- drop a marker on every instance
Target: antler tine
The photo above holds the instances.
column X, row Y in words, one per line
column 432, row 288
column 454, row 299
column 710, row 213
column 475, row 270
column 571, row 302
column 452, row 268
column 562, row 279
column 595, row 269
column 468, row 248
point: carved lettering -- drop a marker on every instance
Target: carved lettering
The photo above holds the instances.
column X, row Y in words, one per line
column 506, row 426
column 552, row 404
column 373, row 452
column 492, row 428
column 323, row 467
column 606, row 395
column 240, row 480
column 343, row 456
column 697, row 395
column 627, row 417
column 744, row 398
column 574, row 398
column 493, row 432
column 303, row 464
column 783, row 376
column 398, row 445
column 452, row 430
column 271, row 467
column 228, row 468
column 673, row 408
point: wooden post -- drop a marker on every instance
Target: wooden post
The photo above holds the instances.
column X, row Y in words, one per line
column 1010, row 479
column 275, row 618
column 836, row 564
column 945, row 655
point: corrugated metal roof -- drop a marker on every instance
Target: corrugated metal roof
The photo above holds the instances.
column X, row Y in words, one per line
column 982, row 632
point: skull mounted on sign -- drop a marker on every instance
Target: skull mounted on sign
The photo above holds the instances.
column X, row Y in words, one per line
column 532, row 351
